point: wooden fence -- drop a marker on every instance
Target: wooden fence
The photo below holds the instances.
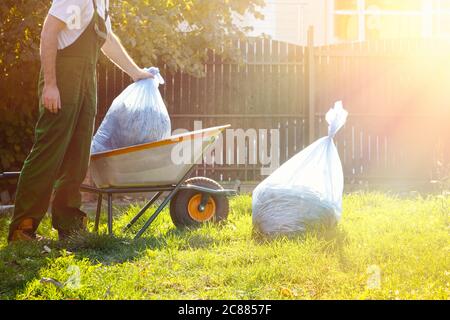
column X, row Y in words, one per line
column 396, row 93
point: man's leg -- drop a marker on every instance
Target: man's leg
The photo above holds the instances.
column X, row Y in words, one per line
column 66, row 214
column 53, row 134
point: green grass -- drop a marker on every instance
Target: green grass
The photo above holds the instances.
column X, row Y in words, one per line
column 405, row 242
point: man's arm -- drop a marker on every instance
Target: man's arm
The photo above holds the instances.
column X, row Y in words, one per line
column 49, row 47
column 114, row 50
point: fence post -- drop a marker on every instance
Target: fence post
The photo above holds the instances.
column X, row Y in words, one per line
column 310, row 80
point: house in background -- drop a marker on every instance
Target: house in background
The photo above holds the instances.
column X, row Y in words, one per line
column 337, row 21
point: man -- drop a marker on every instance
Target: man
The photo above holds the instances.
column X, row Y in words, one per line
column 74, row 33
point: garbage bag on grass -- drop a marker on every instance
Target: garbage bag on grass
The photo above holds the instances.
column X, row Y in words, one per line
column 307, row 190
column 138, row 115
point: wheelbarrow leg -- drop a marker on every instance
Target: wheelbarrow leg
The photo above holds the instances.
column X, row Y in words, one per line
column 143, row 210
column 163, row 204
column 157, row 212
column 97, row 214
column 110, row 214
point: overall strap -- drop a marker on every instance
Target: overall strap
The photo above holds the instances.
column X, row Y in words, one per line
column 103, row 34
column 106, row 9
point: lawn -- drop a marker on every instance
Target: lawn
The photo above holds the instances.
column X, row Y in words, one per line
column 385, row 247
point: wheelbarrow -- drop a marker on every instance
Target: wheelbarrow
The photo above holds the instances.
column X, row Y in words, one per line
column 152, row 167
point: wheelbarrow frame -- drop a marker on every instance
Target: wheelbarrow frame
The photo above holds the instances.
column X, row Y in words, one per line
column 172, row 189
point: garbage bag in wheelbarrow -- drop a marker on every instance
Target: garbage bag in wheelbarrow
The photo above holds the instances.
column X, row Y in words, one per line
column 306, row 191
column 138, row 115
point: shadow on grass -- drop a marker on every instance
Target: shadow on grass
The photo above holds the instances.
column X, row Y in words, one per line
column 110, row 250
column 327, row 233
column 334, row 238
column 21, row 262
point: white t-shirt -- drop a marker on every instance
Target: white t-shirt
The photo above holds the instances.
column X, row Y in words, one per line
column 77, row 14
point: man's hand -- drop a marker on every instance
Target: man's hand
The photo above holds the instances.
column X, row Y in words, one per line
column 51, row 98
column 142, row 74
column 49, row 47
column 114, row 50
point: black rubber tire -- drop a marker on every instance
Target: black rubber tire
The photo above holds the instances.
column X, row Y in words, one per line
column 179, row 203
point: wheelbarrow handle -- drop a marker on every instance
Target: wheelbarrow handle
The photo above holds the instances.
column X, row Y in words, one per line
column 9, row 175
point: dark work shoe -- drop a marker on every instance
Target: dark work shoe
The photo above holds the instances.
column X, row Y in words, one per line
column 80, row 227
column 64, row 235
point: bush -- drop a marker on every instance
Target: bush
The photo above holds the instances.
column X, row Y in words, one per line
column 19, row 66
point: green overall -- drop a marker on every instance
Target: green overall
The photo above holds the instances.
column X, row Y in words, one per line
column 60, row 155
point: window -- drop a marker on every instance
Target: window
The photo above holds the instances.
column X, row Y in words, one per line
column 346, row 5
column 391, row 26
column 346, row 27
column 359, row 20
column 394, row 5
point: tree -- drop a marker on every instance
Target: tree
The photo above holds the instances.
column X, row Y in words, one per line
column 20, row 27
column 178, row 32
column 155, row 32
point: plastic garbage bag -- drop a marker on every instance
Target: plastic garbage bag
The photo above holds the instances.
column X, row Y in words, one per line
column 306, row 191
column 138, row 115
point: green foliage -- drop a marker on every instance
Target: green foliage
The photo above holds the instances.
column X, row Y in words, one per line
column 15, row 133
column 21, row 23
column 150, row 30
column 385, row 247
column 178, row 32
column 19, row 53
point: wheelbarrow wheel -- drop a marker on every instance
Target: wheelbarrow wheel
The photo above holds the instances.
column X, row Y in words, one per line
column 186, row 208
